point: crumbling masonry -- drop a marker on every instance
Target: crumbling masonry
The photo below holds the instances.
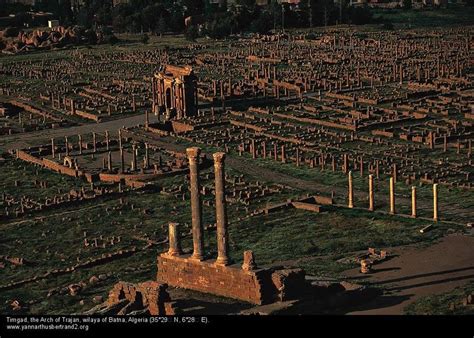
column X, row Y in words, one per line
column 198, row 272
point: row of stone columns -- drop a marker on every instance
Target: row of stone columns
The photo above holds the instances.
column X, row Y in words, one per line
column 196, row 211
column 94, row 143
column 350, row 202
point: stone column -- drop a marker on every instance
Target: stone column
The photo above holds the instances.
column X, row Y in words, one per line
column 196, row 207
column 120, row 138
column 435, row 202
column 109, row 161
column 371, row 193
column 221, row 212
column 283, row 157
column 413, row 202
column 134, row 157
column 53, row 148
column 107, row 139
column 174, row 240
column 392, row 195
column 351, row 191
column 94, row 143
column 80, row 144
column 66, row 145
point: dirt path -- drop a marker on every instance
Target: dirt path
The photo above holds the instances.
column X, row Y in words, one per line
column 418, row 272
column 451, row 212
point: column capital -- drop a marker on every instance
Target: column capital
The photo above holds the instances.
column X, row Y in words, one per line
column 193, row 153
column 219, row 158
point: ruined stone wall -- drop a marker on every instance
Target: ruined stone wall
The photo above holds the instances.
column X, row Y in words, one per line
column 61, row 169
column 228, row 281
column 22, row 155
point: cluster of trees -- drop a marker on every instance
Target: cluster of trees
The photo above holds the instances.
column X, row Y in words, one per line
column 215, row 20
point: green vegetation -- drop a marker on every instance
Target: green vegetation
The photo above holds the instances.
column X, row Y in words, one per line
column 450, row 303
column 454, row 15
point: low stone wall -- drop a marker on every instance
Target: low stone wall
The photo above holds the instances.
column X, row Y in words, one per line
column 257, row 286
column 207, row 277
column 151, row 295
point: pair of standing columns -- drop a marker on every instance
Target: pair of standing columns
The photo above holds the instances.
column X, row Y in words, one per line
column 196, row 210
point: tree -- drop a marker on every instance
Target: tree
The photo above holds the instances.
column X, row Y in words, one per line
column 162, row 26
column 262, row 24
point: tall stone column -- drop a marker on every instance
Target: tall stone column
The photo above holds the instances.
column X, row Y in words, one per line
column 174, row 240
column 53, row 148
column 435, row 202
column 107, row 139
column 134, row 157
column 253, row 149
column 80, row 144
column 94, row 144
column 109, row 161
column 221, row 212
column 196, row 207
column 351, row 191
column 413, row 202
column 371, row 193
column 66, row 145
column 392, row 195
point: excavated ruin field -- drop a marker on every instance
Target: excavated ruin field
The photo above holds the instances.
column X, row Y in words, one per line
column 294, row 117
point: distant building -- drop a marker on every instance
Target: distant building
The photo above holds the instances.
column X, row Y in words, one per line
column 175, row 92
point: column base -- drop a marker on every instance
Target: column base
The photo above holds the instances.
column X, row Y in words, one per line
column 223, row 261
column 196, row 257
column 173, row 253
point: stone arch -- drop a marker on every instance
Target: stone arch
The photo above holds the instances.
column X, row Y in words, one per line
column 68, row 162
